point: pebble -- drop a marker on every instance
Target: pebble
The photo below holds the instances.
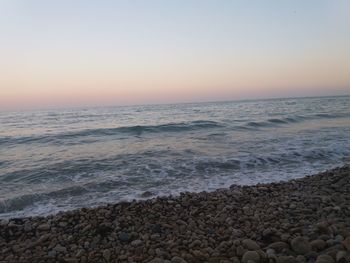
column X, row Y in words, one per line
column 136, row 243
column 301, row 221
column 250, row 244
column 107, row 255
column 124, row 237
column 318, row 244
column 341, row 256
column 324, row 259
column 43, row 227
column 287, row 259
column 251, row 256
column 278, row 246
column 157, row 260
column 346, row 243
column 300, row 245
column 178, row 260
column 59, row 248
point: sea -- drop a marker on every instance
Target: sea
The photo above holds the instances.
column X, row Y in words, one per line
column 64, row 159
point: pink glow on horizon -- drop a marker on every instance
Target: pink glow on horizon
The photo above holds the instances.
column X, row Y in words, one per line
column 62, row 54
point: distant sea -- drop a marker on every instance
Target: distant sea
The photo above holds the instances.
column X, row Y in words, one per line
column 53, row 160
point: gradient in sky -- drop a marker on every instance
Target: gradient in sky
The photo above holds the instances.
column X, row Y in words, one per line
column 73, row 53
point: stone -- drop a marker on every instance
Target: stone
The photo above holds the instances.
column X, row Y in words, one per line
column 59, row 248
column 27, row 227
column 339, row 238
column 300, row 245
column 3, row 222
column 178, row 260
column 200, row 255
column 270, row 251
column 287, row 259
column 107, row 255
column 71, row 260
column 324, row 259
column 124, row 237
column 240, row 251
column 250, row 244
column 346, row 243
column 157, row 260
column 301, row 259
column 251, row 256
column 43, row 227
column 136, row 243
column 52, row 253
column 248, row 211
column 278, row 246
column 341, row 256
column 44, row 238
column 318, row 244
column 79, row 253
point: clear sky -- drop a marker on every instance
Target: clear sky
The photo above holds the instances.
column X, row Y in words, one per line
column 81, row 52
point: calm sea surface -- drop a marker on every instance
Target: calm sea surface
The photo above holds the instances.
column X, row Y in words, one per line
column 56, row 160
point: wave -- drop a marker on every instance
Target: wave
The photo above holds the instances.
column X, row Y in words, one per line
column 77, row 137
column 272, row 122
column 21, row 202
column 115, row 177
column 130, row 130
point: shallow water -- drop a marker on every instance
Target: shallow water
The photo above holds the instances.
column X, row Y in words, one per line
column 65, row 159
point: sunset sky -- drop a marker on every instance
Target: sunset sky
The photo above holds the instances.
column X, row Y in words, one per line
column 78, row 53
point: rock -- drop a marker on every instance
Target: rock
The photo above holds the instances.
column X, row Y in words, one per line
column 341, row 256
column 136, row 243
column 346, row 243
column 250, row 244
column 44, row 238
column 124, row 237
column 3, row 222
column 43, row 227
column 263, row 256
column 178, row 260
column 248, row 211
column 79, row 253
column 301, row 259
column 71, row 260
column 195, row 243
column 107, row 255
column 278, row 246
column 196, row 227
column 251, row 256
column 240, row 251
column 300, row 245
column 27, row 227
column 52, row 253
column 270, row 252
column 200, row 255
column 312, row 255
column 215, row 259
column 102, row 229
column 324, row 259
column 287, row 259
column 59, row 248
column 318, row 244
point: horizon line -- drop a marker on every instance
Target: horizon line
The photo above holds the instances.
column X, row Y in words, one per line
column 172, row 103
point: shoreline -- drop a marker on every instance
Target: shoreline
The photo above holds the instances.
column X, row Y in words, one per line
column 301, row 220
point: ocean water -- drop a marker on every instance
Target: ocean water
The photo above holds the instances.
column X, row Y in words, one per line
column 56, row 160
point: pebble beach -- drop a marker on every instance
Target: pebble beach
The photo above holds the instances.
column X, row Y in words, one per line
column 302, row 220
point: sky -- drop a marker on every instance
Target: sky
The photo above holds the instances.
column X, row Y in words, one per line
column 78, row 53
